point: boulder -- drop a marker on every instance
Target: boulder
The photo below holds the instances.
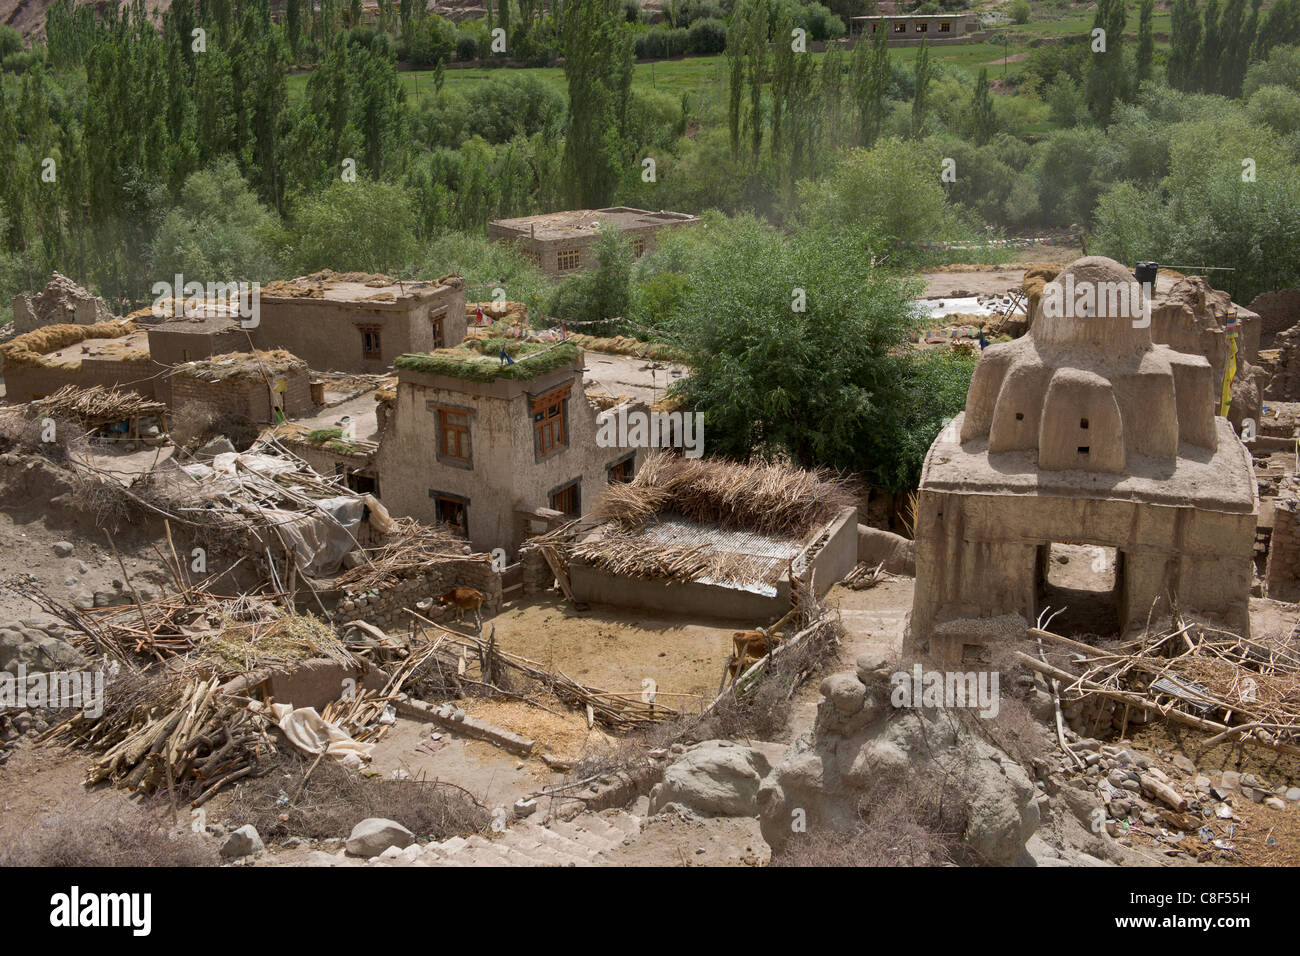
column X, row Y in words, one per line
column 860, row 739
column 374, row 835
column 242, row 842
column 37, row 649
column 713, row 778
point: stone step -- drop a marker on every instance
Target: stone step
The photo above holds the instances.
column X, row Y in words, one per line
column 627, row 822
column 576, row 831
column 553, row 840
column 542, row 854
column 490, row 853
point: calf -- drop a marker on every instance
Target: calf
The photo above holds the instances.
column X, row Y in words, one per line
column 748, row 648
column 463, row 599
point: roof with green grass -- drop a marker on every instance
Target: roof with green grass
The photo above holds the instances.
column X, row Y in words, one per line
column 479, row 360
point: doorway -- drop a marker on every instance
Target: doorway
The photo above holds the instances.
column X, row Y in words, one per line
column 1084, row 582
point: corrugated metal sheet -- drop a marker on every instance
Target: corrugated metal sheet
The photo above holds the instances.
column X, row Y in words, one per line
column 763, row 559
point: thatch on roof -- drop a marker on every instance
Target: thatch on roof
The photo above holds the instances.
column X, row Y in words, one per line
column 233, row 367
column 31, row 348
column 771, row 498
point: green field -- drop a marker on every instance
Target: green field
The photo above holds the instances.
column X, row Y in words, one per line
column 694, row 74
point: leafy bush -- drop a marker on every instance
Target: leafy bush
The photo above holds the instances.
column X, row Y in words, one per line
column 363, row 226
column 1019, row 11
column 601, row 293
column 466, row 45
column 662, row 43
column 708, row 36
column 218, row 232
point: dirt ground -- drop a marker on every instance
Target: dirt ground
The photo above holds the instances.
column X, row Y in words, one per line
column 616, row 649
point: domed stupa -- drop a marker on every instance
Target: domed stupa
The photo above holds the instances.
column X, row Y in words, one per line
column 1083, row 432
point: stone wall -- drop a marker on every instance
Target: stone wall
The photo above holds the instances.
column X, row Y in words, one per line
column 1283, row 572
column 1278, row 311
column 385, row 608
column 243, row 398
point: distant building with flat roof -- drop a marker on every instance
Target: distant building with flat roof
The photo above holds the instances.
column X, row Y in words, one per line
column 907, row 28
column 558, row 242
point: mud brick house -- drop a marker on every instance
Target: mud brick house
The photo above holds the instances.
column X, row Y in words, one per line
column 182, row 340
column 1083, row 432
column 558, row 243
column 354, row 322
column 114, row 354
column 911, row 29
column 245, row 385
column 477, row 444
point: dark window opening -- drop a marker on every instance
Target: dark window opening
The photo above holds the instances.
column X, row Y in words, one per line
column 435, row 323
column 1083, row 449
column 567, row 500
column 1020, row 416
column 451, row 510
column 370, row 347
column 622, row 470
column 1083, row 423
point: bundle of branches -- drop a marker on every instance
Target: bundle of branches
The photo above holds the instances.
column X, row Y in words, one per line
column 1197, row 675
column 360, row 716
column 407, row 550
column 96, row 405
column 225, row 635
column 773, row 498
column 168, row 732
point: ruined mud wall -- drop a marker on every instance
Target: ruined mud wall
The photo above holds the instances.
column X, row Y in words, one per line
column 243, row 398
column 1283, row 572
column 385, row 608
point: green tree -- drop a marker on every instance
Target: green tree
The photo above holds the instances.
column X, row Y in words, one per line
column 870, row 83
column 600, row 293
column 598, row 68
column 980, row 120
column 922, row 76
column 1146, row 41
column 336, row 229
column 1107, row 73
column 1184, row 45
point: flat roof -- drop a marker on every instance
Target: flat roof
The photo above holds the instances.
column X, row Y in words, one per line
column 578, row 222
column 354, row 287
column 915, row 16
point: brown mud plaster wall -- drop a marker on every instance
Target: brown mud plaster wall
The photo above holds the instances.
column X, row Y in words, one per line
column 242, row 397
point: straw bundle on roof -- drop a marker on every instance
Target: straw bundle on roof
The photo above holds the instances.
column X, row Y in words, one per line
column 243, row 366
column 29, row 350
column 775, row 498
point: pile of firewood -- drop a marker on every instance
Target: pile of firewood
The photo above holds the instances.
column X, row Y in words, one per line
column 184, row 737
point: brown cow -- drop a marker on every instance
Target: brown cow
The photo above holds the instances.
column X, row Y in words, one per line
column 748, row 648
column 463, row 599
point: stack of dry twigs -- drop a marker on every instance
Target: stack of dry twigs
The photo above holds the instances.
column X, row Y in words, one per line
column 1236, row 688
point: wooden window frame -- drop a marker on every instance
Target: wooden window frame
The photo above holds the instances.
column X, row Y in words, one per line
column 454, row 440
column 459, row 500
column 568, row 255
column 618, row 465
column 639, row 246
column 549, row 413
column 569, row 488
column 377, row 353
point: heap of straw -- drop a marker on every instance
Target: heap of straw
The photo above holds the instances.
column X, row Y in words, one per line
column 97, row 405
column 29, row 350
column 775, row 499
